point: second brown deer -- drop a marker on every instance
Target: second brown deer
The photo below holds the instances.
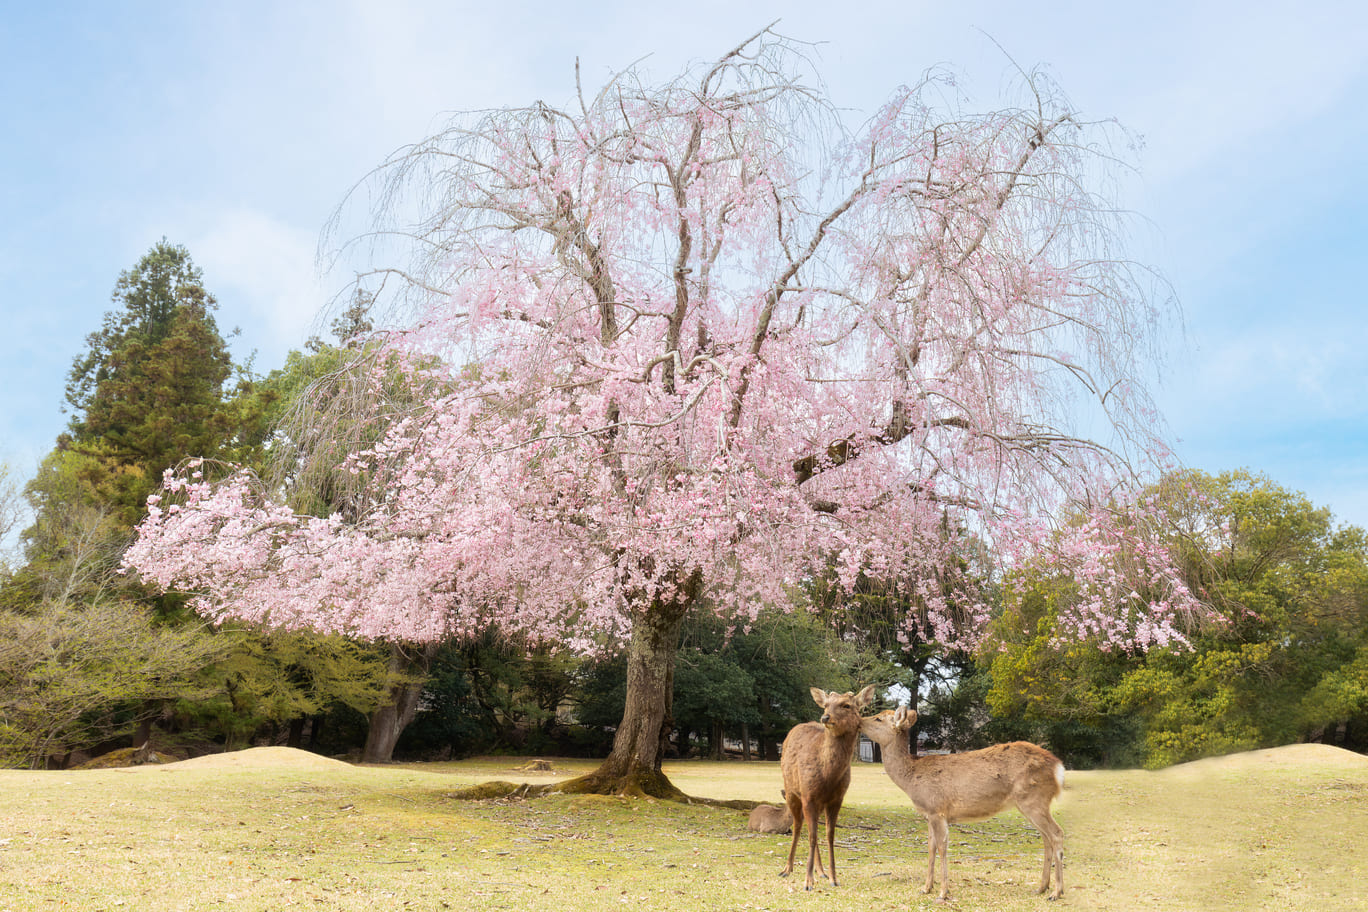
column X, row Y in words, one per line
column 815, row 762
column 949, row 788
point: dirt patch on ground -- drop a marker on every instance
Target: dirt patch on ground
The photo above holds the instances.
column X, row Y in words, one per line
column 254, row 758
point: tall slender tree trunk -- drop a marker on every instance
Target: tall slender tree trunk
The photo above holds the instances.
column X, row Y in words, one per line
column 920, row 661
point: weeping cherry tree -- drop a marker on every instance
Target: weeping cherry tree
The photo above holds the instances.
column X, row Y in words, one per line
column 700, row 341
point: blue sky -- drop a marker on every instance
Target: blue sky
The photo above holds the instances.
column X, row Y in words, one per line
column 236, row 128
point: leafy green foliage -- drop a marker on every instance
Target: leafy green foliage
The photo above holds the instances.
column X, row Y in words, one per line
column 75, row 675
column 494, row 694
column 147, row 393
column 152, row 389
column 147, row 299
column 72, row 546
column 149, row 390
column 452, row 721
column 1286, row 664
column 270, row 678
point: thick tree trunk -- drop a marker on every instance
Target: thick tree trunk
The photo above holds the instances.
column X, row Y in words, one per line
column 633, row 766
column 409, row 667
column 388, row 722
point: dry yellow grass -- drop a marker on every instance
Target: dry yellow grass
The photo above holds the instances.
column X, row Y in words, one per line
column 272, row 829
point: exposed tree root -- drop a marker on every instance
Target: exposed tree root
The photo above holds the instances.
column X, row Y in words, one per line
column 638, row 784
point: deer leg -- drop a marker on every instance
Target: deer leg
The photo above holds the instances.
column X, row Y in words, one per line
column 795, row 807
column 1054, row 849
column 1052, row 837
column 810, row 813
column 931, row 855
column 820, row 870
column 1059, row 865
column 940, row 843
column 831, row 842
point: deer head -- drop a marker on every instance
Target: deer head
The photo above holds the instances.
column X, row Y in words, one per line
column 841, row 711
column 883, row 727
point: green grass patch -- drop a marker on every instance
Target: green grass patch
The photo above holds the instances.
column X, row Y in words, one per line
column 276, row 829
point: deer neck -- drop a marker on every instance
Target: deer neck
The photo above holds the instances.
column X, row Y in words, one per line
column 837, row 749
column 897, row 756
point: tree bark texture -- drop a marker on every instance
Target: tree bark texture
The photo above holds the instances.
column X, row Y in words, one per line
column 408, row 667
column 634, row 765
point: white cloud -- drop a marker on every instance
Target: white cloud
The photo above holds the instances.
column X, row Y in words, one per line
column 262, row 271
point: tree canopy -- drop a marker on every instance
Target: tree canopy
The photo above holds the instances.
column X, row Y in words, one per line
column 149, row 388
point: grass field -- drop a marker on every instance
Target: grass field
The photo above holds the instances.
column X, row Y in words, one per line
column 272, row 829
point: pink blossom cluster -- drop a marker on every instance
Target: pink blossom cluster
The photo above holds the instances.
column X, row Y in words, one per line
column 1126, row 590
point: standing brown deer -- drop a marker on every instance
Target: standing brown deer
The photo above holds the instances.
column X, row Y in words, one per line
column 816, row 765
column 949, row 788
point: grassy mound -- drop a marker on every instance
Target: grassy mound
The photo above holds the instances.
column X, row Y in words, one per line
column 264, row 758
column 1275, row 758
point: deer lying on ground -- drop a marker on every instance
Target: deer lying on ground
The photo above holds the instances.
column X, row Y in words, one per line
column 949, row 788
column 815, row 762
column 767, row 818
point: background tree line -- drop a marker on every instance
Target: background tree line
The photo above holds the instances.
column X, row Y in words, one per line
column 90, row 660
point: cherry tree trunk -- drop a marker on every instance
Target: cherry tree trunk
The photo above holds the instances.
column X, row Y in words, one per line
column 634, row 765
column 388, row 721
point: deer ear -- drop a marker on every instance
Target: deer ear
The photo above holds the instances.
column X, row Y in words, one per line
column 819, row 697
column 909, row 717
column 899, row 715
column 865, row 697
